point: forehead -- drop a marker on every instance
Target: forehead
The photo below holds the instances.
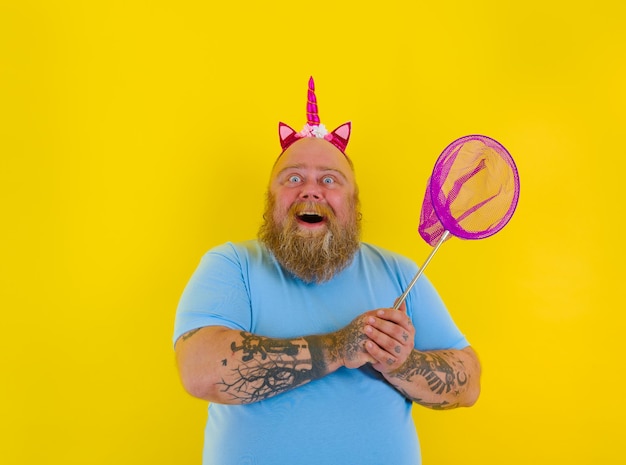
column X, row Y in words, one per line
column 314, row 154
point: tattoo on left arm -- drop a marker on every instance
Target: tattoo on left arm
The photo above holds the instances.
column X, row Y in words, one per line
column 443, row 373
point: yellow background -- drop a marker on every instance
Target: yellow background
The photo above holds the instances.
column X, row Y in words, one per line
column 135, row 135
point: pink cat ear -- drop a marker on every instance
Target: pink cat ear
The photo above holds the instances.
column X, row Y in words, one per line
column 286, row 134
column 340, row 136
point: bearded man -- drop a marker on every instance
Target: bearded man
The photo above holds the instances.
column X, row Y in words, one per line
column 291, row 339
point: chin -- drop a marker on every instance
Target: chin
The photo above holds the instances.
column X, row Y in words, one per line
column 307, row 231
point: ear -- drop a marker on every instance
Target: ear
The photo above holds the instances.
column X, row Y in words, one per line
column 286, row 134
column 340, row 136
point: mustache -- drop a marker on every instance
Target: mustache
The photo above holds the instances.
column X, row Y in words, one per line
column 315, row 208
column 311, row 207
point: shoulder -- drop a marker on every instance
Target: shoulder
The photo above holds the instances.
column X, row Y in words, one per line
column 240, row 251
column 371, row 252
column 243, row 255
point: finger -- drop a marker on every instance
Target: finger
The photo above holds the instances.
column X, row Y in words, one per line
column 383, row 359
column 402, row 334
column 392, row 346
column 393, row 317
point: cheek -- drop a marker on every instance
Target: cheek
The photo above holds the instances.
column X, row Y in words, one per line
column 281, row 206
column 279, row 215
column 343, row 206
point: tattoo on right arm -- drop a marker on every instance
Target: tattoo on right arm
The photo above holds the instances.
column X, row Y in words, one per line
column 267, row 367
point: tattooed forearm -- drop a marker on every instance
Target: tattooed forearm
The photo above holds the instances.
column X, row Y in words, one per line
column 257, row 381
column 256, row 345
column 267, row 366
column 444, row 373
column 437, row 406
column 443, row 405
column 318, row 362
column 349, row 342
column 437, row 369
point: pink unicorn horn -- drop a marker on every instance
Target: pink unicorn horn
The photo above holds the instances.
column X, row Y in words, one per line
column 312, row 117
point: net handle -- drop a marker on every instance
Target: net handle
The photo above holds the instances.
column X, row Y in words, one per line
column 402, row 298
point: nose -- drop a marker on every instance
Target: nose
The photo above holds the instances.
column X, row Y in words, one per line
column 310, row 191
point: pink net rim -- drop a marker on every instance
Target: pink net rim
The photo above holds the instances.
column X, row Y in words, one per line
column 440, row 172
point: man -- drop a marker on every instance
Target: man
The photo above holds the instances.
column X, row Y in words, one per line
column 291, row 338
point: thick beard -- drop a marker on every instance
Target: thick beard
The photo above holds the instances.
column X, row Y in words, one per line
column 312, row 256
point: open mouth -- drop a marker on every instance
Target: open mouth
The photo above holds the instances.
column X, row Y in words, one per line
column 310, row 218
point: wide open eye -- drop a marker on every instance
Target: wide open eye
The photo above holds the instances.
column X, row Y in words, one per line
column 294, row 178
column 328, row 180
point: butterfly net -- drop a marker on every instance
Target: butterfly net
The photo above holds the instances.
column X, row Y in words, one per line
column 472, row 192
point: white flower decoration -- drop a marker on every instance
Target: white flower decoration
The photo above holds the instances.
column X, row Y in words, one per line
column 313, row 131
column 306, row 131
column 319, row 131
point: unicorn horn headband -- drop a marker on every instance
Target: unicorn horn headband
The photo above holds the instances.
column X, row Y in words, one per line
column 313, row 128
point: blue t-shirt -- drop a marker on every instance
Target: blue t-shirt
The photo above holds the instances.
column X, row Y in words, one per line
column 352, row 416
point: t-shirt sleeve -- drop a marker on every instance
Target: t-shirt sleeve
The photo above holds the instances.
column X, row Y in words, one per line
column 434, row 327
column 216, row 294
